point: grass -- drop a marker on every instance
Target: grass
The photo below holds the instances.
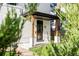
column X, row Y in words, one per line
column 36, row 49
column 41, row 50
column 8, row 53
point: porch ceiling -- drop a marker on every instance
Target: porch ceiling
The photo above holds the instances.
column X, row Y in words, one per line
column 40, row 15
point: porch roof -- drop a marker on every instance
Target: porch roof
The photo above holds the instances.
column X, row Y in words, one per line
column 42, row 15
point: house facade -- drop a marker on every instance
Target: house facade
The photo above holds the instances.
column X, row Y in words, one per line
column 37, row 30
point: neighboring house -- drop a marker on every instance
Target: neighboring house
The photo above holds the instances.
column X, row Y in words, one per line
column 37, row 30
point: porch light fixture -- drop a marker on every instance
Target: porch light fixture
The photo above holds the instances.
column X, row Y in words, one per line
column 53, row 25
column 63, row 10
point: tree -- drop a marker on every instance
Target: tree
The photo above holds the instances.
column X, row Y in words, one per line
column 10, row 30
column 31, row 8
column 70, row 22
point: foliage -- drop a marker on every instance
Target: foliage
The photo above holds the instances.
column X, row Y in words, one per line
column 43, row 50
column 10, row 30
column 31, row 8
column 12, row 53
column 70, row 20
column 67, row 49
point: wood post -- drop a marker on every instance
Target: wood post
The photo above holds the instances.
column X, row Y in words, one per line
column 57, row 29
column 33, row 20
column 57, row 32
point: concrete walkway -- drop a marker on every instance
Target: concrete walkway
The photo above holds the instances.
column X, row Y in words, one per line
column 24, row 52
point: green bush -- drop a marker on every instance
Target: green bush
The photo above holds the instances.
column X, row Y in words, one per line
column 43, row 50
column 62, row 49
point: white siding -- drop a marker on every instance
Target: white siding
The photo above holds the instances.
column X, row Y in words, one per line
column 5, row 8
column 46, row 31
column 44, row 7
column 26, row 39
column 3, row 12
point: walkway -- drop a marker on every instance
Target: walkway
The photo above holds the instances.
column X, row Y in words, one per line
column 24, row 52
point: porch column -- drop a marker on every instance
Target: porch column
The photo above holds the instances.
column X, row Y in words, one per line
column 33, row 20
column 57, row 32
column 57, row 29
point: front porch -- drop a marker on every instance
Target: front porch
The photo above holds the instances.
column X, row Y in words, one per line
column 41, row 28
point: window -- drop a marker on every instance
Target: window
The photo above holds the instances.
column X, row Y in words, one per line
column 53, row 22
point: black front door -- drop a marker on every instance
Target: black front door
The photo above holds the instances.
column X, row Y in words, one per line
column 39, row 30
